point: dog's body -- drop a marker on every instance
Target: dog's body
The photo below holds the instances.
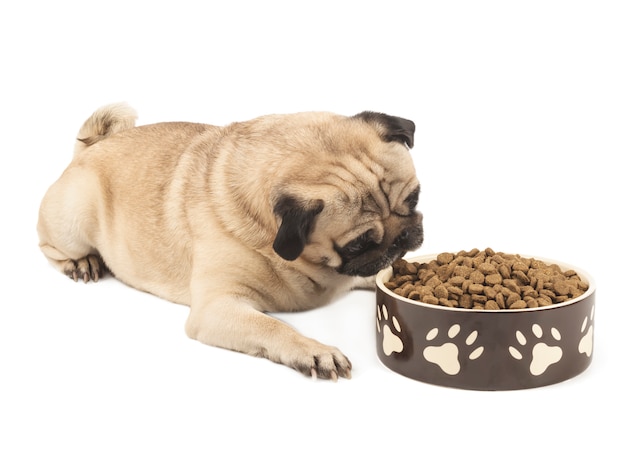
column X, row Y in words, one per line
column 280, row 213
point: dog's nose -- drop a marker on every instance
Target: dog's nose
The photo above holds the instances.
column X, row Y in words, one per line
column 411, row 236
column 419, row 217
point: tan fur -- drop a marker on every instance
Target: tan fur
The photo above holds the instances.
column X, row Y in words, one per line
column 187, row 212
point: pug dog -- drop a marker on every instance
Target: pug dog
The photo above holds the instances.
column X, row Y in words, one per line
column 277, row 214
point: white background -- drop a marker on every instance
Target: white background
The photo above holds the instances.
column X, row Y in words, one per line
column 520, row 113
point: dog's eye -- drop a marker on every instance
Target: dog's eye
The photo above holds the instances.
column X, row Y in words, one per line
column 412, row 199
column 359, row 244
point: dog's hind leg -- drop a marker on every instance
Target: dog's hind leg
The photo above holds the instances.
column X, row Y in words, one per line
column 67, row 221
column 68, row 217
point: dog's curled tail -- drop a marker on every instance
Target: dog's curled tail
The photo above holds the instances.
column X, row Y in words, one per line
column 104, row 122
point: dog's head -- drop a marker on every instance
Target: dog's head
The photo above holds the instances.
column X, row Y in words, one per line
column 349, row 202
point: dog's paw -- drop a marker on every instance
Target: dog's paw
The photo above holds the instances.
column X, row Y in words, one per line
column 320, row 361
column 364, row 283
column 87, row 268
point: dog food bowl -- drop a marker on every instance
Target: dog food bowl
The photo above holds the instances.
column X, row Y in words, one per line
column 484, row 349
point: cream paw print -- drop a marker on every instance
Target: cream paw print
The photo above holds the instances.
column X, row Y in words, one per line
column 391, row 341
column 543, row 355
column 586, row 342
column 447, row 354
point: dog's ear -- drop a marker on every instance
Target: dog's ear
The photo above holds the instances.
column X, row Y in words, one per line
column 297, row 219
column 395, row 128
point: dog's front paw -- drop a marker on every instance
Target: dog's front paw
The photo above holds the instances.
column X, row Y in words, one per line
column 364, row 283
column 320, row 361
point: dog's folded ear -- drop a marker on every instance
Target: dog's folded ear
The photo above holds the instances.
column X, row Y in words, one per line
column 395, row 128
column 297, row 220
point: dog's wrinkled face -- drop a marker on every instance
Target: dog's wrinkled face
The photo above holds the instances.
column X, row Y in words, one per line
column 368, row 253
column 354, row 211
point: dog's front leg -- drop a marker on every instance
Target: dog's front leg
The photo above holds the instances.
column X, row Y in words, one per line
column 364, row 283
column 232, row 322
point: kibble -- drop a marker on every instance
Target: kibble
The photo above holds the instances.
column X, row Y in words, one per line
column 485, row 280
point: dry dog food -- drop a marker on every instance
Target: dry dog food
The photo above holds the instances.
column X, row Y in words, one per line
column 485, row 280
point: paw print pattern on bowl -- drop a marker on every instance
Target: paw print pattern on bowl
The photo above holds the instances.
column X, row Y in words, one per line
column 585, row 346
column 447, row 354
column 543, row 355
column 391, row 341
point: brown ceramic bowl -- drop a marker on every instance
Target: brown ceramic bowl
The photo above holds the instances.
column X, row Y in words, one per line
column 484, row 349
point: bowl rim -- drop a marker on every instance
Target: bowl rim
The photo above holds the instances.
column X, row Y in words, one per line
column 384, row 275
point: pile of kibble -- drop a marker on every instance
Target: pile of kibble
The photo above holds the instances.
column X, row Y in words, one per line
column 485, row 280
